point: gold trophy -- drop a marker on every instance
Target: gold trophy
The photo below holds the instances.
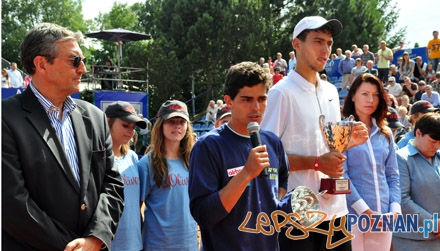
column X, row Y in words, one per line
column 336, row 135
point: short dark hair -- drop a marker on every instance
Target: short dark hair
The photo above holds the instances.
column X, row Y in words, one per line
column 42, row 41
column 245, row 74
column 429, row 123
column 303, row 35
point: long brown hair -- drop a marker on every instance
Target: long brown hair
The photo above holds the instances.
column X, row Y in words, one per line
column 124, row 147
column 157, row 150
column 382, row 108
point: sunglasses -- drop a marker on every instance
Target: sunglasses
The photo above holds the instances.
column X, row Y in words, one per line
column 76, row 60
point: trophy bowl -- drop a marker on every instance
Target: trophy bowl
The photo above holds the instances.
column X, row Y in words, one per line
column 304, row 199
column 336, row 136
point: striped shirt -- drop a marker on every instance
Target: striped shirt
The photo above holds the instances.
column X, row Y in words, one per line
column 63, row 127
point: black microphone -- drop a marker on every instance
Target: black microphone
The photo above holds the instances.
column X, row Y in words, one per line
column 254, row 131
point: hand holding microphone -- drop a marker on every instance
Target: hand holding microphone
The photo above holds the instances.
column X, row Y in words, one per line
column 254, row 131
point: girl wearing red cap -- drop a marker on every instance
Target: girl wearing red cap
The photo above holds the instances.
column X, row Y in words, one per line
column 164, row 175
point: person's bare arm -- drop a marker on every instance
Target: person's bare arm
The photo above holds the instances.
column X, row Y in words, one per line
column 331, row 163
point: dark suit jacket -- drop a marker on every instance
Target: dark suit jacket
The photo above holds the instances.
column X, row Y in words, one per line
column 43, row 208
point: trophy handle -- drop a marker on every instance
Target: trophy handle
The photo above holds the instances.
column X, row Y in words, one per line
column 321, row 121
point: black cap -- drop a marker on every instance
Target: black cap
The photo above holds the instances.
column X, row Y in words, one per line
column 423, row 106
column 223, row 111
column 123, row 110
column 393, row 119
column 173, row 108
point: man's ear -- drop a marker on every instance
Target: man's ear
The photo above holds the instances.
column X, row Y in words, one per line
column 228, row 101
column 296, row 44
column 418, row 133
column 40, row 63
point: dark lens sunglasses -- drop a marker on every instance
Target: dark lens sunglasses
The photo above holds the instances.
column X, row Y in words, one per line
column 77, row 60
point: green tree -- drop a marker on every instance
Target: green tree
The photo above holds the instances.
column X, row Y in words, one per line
column 364, row 21
column 19, row 16
column 205, row 37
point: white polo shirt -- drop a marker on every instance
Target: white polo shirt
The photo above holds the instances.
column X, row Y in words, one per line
column 293, row 110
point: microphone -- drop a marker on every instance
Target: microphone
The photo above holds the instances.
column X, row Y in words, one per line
column 254, row 131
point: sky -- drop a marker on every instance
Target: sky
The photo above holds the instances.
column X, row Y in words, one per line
column 420, row 18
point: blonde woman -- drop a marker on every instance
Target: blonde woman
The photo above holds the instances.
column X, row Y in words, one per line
column 164, row 175
column 122, row 119
column 5, row 79
column 404, row 102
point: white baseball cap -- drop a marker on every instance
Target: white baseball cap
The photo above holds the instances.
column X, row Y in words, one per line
column 316, row 22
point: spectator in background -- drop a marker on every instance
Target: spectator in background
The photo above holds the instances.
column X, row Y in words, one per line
column 122, row 120
column 409, row 88
column 394, row 88
column 107, row 83
column 421, row 89
column 383, row 57
column 429, row 73
column 392, row 101
column 164, row 175
column 292, row 61
column 366, row 101
column 419, row 69
column 223, row 116
column 357, row 70
column 419, row 182
column 281, row 64
column 211, row 110
column 403, row 116
column 433, row 51
column 324, row 77
column 370, row 68
column 344, row 68
column 356, row 52
column 219, row 103
column 261, row 61
column 277, row 76
column 144, row 133
column 436, row 83
column 404, row 102
column 394, row 72
column 407, row 67
column 393, row 121
column 27, row 80
column 366, row 55
column 339, row 53
column 271, row 67
column 417, row 110
column 431, row 96
column 401, row 46
column 15, row 78
column 5, row 79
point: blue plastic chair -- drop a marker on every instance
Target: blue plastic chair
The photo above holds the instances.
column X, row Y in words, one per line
column 343, row 93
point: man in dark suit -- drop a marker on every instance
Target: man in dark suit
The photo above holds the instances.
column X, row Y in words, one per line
column 60, row 189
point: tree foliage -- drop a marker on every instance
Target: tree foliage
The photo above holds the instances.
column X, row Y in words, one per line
column 19, row 16
column 194, row 42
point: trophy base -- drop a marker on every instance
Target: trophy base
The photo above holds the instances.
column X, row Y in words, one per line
column 335, row 186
